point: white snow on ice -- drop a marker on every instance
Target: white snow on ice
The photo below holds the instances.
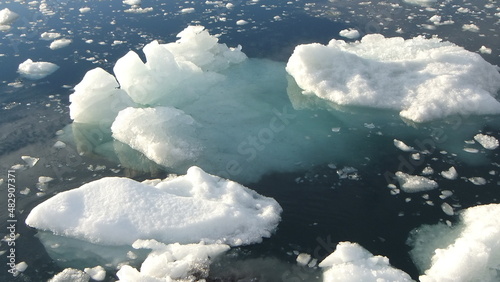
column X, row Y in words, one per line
column 186, row 209
column 468, row 251
column 36, row 70
column 172, row 262
column 415, row 183
column 424, row 79
column 351, row 262
column 59, row 43
column 488, row 142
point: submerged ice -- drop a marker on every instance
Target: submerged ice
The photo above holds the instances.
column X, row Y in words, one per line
column 185, row 209
column 423, row 79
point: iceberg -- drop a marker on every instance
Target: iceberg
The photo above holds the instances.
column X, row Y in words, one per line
column 469, row 251
column 423, row 79
column 351, row 262
column 36, row 70
column 184, row 209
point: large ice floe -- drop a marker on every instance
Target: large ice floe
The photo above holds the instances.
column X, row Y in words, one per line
column 423, row 79
column 469, row 251
column 181, row 209
column 351, row 262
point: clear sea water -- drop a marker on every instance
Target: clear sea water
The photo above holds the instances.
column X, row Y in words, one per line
column 320, row 207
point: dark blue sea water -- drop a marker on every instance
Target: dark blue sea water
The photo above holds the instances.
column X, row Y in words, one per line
column 321, row 208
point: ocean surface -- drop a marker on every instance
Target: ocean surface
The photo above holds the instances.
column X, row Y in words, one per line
column 346, row 200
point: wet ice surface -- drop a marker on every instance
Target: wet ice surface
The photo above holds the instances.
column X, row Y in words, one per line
column 346, row 191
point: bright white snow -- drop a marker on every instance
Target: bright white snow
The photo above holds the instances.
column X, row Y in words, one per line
column 59, row 43
column 172, row 262
column 424, row 79
column 488, row 142
column 186, row 209
column 467, row 252
column 351, row 262
column 7, row 16
column 415, row 183
column 350, row 33
column 36, row 70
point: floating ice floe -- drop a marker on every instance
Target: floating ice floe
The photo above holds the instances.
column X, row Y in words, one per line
column 421, row 2
column 84, row 10
column 59, row 43
column 350, row 33
column 70, row 274
column 97, row 273
column 415, row 183
column 402, row 146
column 466, row 252
column 450, row 174
column 132, row 2
column 488, row 142
column 351, row 262
column 7, row 16
column 50, row 36
column 36, row 70
column 172, row 262
column 424, row 79
column 185, row 209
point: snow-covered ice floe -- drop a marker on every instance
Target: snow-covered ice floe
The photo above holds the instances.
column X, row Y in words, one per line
column 36, row 70
column 173, row 262
column 423, row 79
column 468, row 251
column 351, row 262
column 184, row 209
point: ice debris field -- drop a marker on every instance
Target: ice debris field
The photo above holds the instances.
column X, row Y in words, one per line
column 187, row 105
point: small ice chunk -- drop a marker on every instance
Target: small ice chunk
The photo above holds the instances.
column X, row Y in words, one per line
column 44, row 179
column 132, row 2
column 7, row 16
column 470, row 27
column 427, row 170
column 241, row 22
column 303, row 259
column 60, row 43
column 351, row 262
column 84, row 10
column 447, row 209
column 477, row 180
column 21, row 267
column 187, row 10
column 350, row 33
column 96, row 273
column 445, row 194
column 402, row 146
column 50, row 36
column 25, row 191
column 415, row 183
column 485, row 50
column 70, row 274
column 36, row 70
column 488, row 142
column 471, row 150
column 59, row 145
column 450, row 174
column 30, row 161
